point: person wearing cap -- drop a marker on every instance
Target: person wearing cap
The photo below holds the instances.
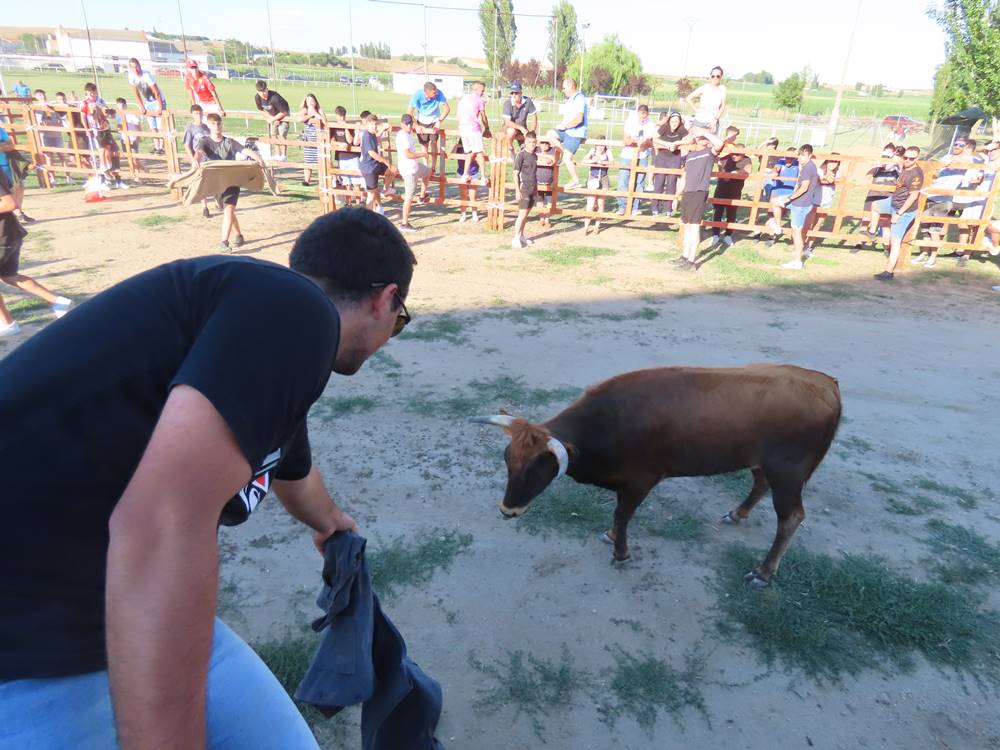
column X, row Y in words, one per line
column 410, row 169
column 519, row 115
column 150, row 98
column 201, row 89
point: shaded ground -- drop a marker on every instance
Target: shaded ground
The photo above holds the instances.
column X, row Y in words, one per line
column 534, row 636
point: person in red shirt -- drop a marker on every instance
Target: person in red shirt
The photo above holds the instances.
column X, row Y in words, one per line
column 202, row 90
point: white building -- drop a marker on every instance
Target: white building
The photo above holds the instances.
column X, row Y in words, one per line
column 109, row 45
column 449, row 79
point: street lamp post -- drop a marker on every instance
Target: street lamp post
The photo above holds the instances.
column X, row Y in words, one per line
column 583, row 49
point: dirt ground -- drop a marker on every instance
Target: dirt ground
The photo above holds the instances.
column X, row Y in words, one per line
column 494, row 327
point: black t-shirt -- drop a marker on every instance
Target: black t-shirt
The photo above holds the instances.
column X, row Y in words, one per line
column 11, row 230
column 698, row 169
column 80, row 400
column 732, row 188
column 275, row 103
column 911, row 179
column 526, row 168
column 344, row 136
column 224, row 150
column 518, row 115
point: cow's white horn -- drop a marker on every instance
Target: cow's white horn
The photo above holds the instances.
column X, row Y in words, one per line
column 561, row 454
column 501, row 420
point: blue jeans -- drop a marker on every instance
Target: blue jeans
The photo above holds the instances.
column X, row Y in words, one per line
column 640, row 181
column 899, row 229
column 247, row 707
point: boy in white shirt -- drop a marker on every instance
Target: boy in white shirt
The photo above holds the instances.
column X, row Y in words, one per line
column 410, row 169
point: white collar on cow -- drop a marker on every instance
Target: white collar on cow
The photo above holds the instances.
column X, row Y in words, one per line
column 561, row 454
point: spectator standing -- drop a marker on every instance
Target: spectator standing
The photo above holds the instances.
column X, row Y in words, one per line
column 465, row 189
column 572, row 129
column 599, row 158
column 519, row 115
column 193, row 133
column 666, row 155
column 411, row 170
column 219, row 147
column 129, row 124
column 49, row 118
column 94, row 110
column 802, row 203
column 525, row 187
column 275, row 109
column 22, row 90
column 637, row 139
column 902, row 208
column 151, row 101
column 201, row 89
column 698, row 163
column 738, row 165
column 11, row 238
column 711, row 102
column 313, row 118
column 373, row 164
column 429, row 108
column 472, row 125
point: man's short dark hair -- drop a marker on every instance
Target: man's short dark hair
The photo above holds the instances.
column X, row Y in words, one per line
column 429, row 86
column 364, row 114
column 89, row 86
column 531, row 134
column 40, row 91
column 338, row 110
column 196, row 108
column 914, row 149
column 134, row 60
column 732, row 130
column 971, row 142
column 806, row 148
column 717, row 68
column 214, row 117
column 643, row 108
column 121, row 100
column 889, row 145
column 370, row 118
column 261, row 85
column 61, row 93
column 351, row 251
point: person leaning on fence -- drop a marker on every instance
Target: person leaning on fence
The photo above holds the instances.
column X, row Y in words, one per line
column 201, row 89
column 194, row 132
column 346, row 141
column 473, row 127
column 94, row 110
column 465, row 189
column 702, row 148
column 637, row 136
column 548, row 154
column 275, row 109
column 666, row 155
column 901, row 207
column 971, row 207
column 738, row 165
column 411, row 170
column 429, row 107
column 598, row 159
column 802, row 203
column 150, row 97
column 128, row 123
column 572, row 129
column 711, row 102
column 519, row 116
column 786, row 171
column 49, row 118
column 525, row 187
column 313, row 120
column 22, row 90
column 374, row 165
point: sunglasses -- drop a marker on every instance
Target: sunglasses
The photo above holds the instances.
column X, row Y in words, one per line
column 909, row 158
column 716, row 76
column 403, row 318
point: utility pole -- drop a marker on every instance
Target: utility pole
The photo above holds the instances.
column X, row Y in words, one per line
column 183, row 36
column 426, row 73
column 835, row 114
column 350, row 41
column 691, row 23
column 90, row 46
column 270, row 38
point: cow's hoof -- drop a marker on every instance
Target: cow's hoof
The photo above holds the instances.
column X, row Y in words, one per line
column 616, row 562
column 728, row 518
column 754, row 580
column 606, row 538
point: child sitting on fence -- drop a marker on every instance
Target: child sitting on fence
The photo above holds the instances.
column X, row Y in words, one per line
column 598, row 159
column 467, row 187
column 545, row 175
column 525, row 187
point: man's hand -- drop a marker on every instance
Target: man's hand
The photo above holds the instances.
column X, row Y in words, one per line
column 222, row 113
column 894, row 218
column 342, row 522
column 142, row 110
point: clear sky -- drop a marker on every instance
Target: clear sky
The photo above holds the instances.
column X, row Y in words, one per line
column 896, row 43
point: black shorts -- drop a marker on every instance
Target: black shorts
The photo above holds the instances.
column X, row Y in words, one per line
column 230, row 195
column 425, row 138
column 10, row 259
column 693, row 206
column 371, row 179
column 527, row 202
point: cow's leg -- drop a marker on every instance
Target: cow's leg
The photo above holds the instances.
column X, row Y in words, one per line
column 787, row 495
column 629, row 499
column 759, row 489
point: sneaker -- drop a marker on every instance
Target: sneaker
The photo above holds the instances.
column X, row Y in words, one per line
column 714, row 242
column 61, row 306
column 931, row 262
column 408, row 228
column 527, row 241
column 121, row 185
column 963, row 261
column 380, row 211
column 690, row 265
column 205, row 213
column 996, row 288
column 727, row 240
column 621, row 211
column 25, row 219
column 239, row 241
column 769, row 242
column 571, row 185
column 919, row 260
column 517, row 242
column 12, row 330
column 793, row 265
column 884, row 276
column 807, row 253
column 858, row 247
column 679, row 261
column 224, row 247
column 475, row 217
column 461, row 219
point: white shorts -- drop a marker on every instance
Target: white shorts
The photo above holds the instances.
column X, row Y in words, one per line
column 472, row 140
column 209, row 108
column 348, row 180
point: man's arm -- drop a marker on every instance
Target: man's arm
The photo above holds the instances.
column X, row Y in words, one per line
column 162, row 574
column 800, row 189
column 140, row 100
column 532, row 122
column 307, row 500
column 159, row 96
column 689, row 99
column 444, row 112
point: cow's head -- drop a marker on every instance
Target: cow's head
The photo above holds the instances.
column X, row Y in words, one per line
column 534, row 458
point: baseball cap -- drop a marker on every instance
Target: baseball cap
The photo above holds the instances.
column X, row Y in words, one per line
column 515, row 88
column 406, row 119
column 192, row 63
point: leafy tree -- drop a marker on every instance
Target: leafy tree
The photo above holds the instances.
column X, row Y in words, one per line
column 789, row 93
column 761, row 77
column 973, row 46
column 618, row 63
column 562, row 31
column 498, row 30
column 948, row 97
column 877, row 90
column 684, row 87
column 859, row 87
column 529, row 73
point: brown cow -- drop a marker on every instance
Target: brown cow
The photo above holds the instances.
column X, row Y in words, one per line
column 634, row 430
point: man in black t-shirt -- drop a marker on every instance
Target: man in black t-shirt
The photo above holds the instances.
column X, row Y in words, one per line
column 276, row 110
column 164, row 406
column 525, row 187
column 740, row 166
column 902, row 208
column 519, row 115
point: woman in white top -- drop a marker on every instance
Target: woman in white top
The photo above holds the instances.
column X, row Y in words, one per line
column 711, row 102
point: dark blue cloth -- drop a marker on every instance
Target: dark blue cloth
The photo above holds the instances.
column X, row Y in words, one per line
column 362, row 658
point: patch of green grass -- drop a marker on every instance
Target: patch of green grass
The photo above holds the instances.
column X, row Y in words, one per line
column 524, row 315
column 643, row 687
column 661, row 256
column 39, row 240
column 155, row 221
column 643, row 313
column 962, row 555
column 831, row 617
column 410, row 563
column 571, row 255
column 574, row 510
column 29, row 310
column 918, row 505
column 964, row 497
column 681, row 527
column 328, row 409
column 734, row 484
column 488, row 395
column 601, row 280
column 855, row 444
column 533, row 687
column 443, row 327
column 382, row 361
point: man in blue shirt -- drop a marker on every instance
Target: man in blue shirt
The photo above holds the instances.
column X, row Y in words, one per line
column 572, row 131
column 22, row 90
column 429, row 107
